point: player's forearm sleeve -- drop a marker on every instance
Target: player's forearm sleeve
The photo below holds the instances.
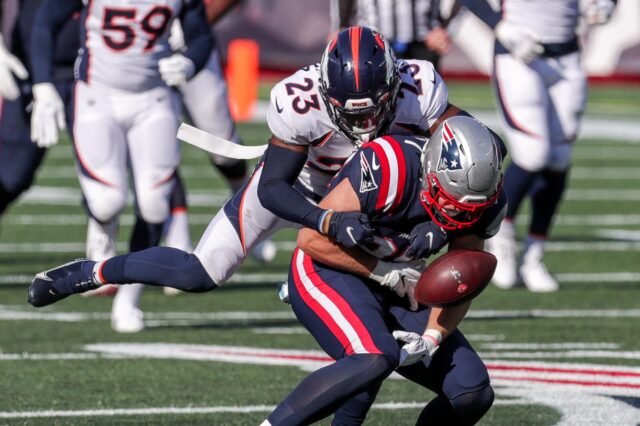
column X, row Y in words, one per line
column 51, row 15
column 483, row 10
column 197, row 35
column 275, row 189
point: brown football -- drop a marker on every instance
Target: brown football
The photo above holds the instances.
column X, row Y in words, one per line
column 455, row 277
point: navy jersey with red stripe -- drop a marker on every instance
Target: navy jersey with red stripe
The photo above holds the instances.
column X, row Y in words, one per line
column 385, row 175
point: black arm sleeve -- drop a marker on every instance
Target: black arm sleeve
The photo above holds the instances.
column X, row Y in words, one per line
column 50, row 17
column 197, row 35
column 275, row 189
column 483, row 10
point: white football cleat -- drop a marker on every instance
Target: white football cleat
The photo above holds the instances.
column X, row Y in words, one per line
column 265, row 251
column 503, row 246
column 533, row 272
column 127, row 320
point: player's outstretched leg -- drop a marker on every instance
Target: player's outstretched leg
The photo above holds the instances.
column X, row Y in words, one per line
column 57, row 283
column 160, row 266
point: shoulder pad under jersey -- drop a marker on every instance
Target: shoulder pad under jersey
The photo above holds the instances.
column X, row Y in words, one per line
column 296, row 111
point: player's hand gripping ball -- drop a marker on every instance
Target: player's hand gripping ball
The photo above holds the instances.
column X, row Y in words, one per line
column 455, row 277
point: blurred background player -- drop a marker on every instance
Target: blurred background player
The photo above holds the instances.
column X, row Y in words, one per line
column 125, row 112
column 415, row 28
column 19, row 157
column 541, row 91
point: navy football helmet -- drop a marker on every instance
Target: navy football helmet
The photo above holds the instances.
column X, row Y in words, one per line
column 359, row 83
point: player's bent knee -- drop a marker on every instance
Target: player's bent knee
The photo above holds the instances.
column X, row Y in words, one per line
column 107, row 205
column 472, row 406
column 379, row 365
column 153, row 206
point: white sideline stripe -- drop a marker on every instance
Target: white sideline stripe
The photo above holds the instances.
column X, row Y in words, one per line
column 203, row 219
column 23, row 312
column 205, row 410
column 288, row 246
column 577, row 277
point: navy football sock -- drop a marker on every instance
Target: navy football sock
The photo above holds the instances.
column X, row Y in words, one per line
column 161, row 266
column 325, row 390
column 517, row 182
column 546, row 199
column 145, row 234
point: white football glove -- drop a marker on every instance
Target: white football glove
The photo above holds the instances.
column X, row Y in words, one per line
column 176, row 69
column 402, row 278
column 520, row 42
column 598, row 12
column 416, row 347
column 10, row 66
column 176, row 37
column 47, row 117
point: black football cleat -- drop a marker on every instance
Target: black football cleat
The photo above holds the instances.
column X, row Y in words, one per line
column 53, row 285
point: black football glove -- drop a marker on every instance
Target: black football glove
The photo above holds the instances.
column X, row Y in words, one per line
column 427, row 238
column 350, row 228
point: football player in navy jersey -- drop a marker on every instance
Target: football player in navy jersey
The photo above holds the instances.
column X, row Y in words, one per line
column 19, row 157
column 419, row 197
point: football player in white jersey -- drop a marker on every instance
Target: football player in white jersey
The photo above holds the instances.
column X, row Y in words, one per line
column 541, row 91
column 205, row 103
column 318, row 117
column 125, row 110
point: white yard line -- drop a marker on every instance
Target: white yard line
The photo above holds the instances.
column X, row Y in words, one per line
column 238, row 409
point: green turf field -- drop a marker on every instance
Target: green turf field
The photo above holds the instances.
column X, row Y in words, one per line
column 227, row 357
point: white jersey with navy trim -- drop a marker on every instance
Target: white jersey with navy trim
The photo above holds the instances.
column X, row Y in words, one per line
column 297, row 115
column 550, row 21
column 123, row 40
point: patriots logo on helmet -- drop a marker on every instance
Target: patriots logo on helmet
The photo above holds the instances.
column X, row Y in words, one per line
column 367, row 181
column 450, row 152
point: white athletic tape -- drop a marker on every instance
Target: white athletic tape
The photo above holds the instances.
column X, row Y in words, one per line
column 216, row 145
